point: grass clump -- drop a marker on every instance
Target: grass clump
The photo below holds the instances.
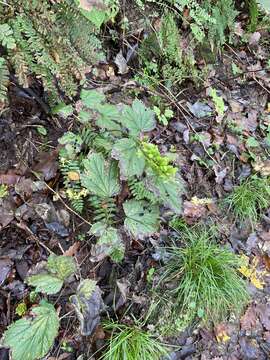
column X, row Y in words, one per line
column 249, row 199
column 203, row 279
column 132, row 343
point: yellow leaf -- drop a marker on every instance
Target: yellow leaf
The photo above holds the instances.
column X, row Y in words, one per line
column 73, row 175
column 256, row 282
column 205, row 201
column 244, row 270
column 222, row 337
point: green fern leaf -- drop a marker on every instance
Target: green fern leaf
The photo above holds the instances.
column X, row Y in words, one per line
column 31, row 338
column 141, row 220
column 131, row 161
column 138, row 119
column 100, row 178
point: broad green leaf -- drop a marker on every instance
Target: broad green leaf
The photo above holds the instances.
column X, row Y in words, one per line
column 109, row 242
column 265, row 4
column 131, row 161
column 45, row 283
column 63, row 110
column 141, row 219
column 62, row 266
column 109, row 115
column 92, row 98
column 100, row 178
column 168, row 191
column 51, row 279
column 32, row 338
column 138, row 119
column 97, row 17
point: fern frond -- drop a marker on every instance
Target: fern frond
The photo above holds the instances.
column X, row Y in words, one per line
column 4, row 79
column 104, row 209
column 140, row 192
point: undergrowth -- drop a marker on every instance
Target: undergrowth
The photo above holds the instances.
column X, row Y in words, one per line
column 249, row 199
column 132, row 343
column 202, row 280
column 111, row 151
column 55, row 41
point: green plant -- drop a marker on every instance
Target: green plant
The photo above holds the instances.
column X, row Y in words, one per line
column 163, row 117
column 203, row 278
column 132, row 343
column 51, row 40
column 248, row 200
column 30, row 338
column 3, row 190
column 218, row 101
column 253, row 14
column 95, row 164
column 51, row 278
column 4, row 79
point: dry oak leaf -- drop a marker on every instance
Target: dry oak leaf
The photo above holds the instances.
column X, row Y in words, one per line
column 248, row 320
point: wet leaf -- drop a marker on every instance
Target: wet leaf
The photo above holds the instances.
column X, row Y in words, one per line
column 32, row 338
column 88, row 304
column 141, row 220
column 130, row 160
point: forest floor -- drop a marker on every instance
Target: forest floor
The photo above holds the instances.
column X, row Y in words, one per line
column 213, row 152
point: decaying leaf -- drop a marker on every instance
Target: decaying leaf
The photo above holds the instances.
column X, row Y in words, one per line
column 92, row 4
column 88, row 305
column 250, row 272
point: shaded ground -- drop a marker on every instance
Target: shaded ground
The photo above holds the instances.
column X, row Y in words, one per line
column 213, row 152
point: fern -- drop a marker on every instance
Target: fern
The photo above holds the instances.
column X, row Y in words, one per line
column 71, row 170
column 51, row 40
column 140, row 192
column 104, row 209
column 4, row 79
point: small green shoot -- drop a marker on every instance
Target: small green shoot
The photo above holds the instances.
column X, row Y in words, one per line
column 249, row 199
column 132, row 343
column 163, row 117
column 3, row 191
column 218, row 101
column 204, row 277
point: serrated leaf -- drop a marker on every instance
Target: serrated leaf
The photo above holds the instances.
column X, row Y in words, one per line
column 92, row 98
column 62, row 266
column 109, row 117
column 265, row 4
column 45, row 283
column 138, row 119
column 32, row 338
column 97, row 17
column 131, row 161
column 100, row 178
column 141, row 219
column 168, row 191
column 63, row 110
column 109, row 242
column 50, row 281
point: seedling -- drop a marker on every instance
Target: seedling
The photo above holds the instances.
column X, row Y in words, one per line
column 249, row 199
